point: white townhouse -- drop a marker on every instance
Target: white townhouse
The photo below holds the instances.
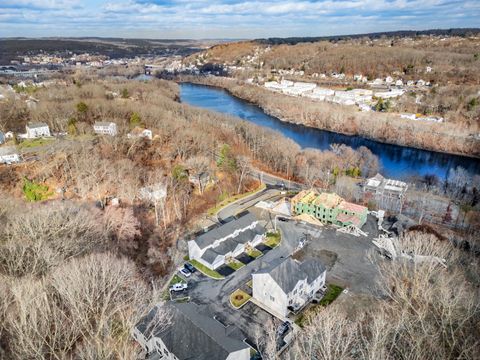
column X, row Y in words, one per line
column 105, row 128
column 215, row 247
column 287, row 285
column 191, row 333
column 9, row 155
column 36, row 130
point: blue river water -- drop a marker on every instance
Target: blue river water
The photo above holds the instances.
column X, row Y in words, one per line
column 397, row 162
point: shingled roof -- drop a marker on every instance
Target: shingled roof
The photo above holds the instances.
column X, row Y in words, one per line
column 210, row 237
column 193, row 333
column 36, row 125
column 288, row 272
column 230, row 244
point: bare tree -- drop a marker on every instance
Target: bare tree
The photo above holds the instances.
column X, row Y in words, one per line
column 199, row 167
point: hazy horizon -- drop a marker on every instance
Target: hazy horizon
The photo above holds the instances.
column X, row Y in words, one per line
column 228, row 19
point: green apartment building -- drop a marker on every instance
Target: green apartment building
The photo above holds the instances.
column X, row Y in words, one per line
column 329, row 208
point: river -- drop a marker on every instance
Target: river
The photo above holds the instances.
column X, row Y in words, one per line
column 397, row 162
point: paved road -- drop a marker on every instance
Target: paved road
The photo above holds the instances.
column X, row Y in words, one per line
column 245, row 203
column 215, row 293
column 350, row 268
column 274, row 180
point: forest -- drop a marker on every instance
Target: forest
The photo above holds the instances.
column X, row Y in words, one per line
column 53, row 250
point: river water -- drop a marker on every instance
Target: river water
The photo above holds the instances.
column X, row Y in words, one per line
column 397, row 162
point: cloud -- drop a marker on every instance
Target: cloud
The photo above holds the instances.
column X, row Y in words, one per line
column 228, row 18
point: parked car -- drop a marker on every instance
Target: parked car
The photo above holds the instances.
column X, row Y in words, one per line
column 189, row 267
column 185, row 272
column 282, row 329
column 179, row 287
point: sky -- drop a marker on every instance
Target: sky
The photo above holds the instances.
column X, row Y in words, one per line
column 233, row 19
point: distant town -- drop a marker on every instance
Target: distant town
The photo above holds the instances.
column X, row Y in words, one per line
column 257, row 199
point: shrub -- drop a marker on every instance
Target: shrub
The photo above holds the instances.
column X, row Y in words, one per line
column 34, row 191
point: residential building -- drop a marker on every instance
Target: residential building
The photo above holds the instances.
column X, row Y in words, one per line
column 190, row 333
column 105, row 128
column 329, row 208
column 36, row 130
column 215, row 247
column 287, row 285
column 388, row 193
column 9, row 155
column 389, row 94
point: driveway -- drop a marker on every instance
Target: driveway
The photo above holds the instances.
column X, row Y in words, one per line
column 250, row 319
column 345, row 257
column 244, row 258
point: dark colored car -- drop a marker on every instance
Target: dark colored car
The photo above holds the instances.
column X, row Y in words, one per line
column 189, row 267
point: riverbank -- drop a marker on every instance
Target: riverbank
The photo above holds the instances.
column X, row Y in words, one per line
column 382, row 127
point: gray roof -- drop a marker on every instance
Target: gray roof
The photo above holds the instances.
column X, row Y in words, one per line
column 102, row 123
column 193, row 333
column 288, row 272
column 209, row 238
column 7, row 150
column 209, row 256
column 230, row 244
column 249, row 234
column 226, row 246
column 36, row 125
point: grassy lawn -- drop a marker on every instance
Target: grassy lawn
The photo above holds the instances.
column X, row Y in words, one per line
column 238, row 298
column 332, row 293
column 28, row 144
column 235, row 264
column 212, row 211
column 272, row 239
column 206, row 271
column 176, row 279
column 254, row 253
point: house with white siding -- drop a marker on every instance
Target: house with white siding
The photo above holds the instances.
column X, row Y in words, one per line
column 190, row 333
column 229, row 240
column 287, row 285
column 9, row 155
column 36, row 130
column 105, row 128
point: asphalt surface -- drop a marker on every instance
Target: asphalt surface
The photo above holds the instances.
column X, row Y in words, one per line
column 250, row 319
column 246, row 203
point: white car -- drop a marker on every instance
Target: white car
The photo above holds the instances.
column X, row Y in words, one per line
column 179, row 287
column 185, row 272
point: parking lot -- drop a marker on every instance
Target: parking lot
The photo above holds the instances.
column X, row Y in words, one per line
column 345, row 257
